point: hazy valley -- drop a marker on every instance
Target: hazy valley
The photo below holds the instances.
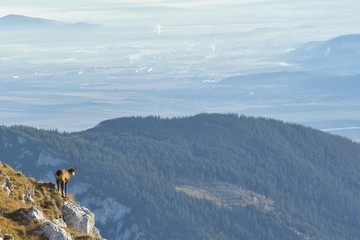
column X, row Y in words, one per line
column 53, row 74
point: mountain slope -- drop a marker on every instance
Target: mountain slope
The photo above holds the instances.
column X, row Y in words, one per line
column 209, row 176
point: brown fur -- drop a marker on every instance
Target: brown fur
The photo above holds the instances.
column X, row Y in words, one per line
column 62, row 177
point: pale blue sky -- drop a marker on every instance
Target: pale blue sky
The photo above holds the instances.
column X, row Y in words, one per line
column 316, row 19
column 113, row 12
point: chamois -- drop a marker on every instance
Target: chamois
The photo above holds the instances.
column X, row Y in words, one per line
column 62, row 177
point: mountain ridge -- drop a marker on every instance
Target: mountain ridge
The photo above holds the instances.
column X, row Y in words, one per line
column 156, row 167
column 14, row 21
column 338, row 55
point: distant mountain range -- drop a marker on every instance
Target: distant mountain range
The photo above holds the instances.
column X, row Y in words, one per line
column 16, row 22
column 339, row 55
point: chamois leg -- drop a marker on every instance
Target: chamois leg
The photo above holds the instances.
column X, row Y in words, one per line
column 66, row 188
column 58, row 186
column 62, row 188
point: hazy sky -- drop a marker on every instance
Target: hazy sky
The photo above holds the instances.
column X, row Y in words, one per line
column 114, row 12
column 102, row 9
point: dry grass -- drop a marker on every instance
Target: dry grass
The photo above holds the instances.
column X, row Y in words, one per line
column 48, row 199
column 78, row 236
column 9, row 226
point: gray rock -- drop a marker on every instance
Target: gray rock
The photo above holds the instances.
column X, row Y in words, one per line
column 54, row 232
column 78, row 217
column 95, row 232
column 37, row 214
column 59, row 222
column 27, row 196
column 7, row 184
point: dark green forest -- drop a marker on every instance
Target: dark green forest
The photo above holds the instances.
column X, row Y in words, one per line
column 312, row 177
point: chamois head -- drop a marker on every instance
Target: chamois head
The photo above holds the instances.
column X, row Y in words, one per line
column 72, row 171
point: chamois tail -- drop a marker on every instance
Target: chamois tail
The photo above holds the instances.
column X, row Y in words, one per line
column 58, row 173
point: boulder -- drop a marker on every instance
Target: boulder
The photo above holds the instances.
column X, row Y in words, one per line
column 27, row 216
column 78, row 218
column 36, row 214
column 54, row 232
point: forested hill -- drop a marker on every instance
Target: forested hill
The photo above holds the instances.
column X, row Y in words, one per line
column 213, row 176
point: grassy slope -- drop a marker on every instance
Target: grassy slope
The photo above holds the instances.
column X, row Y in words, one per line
column 45, row 198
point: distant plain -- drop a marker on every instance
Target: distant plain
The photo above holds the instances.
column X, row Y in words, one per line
column 211, row 60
